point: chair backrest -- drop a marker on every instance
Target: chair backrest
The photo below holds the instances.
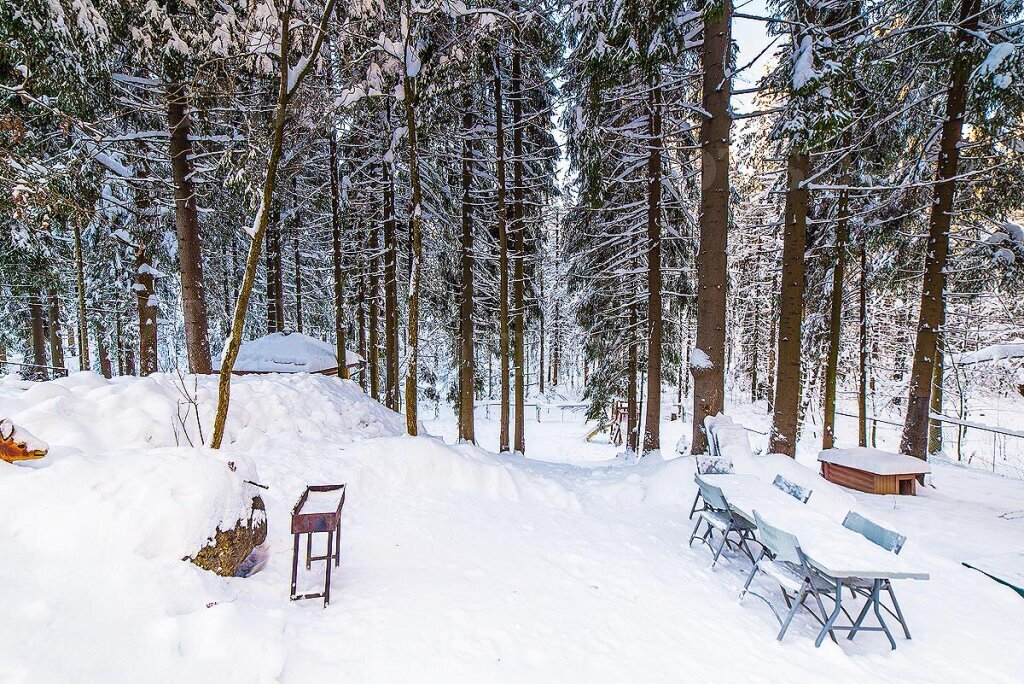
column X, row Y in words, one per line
column 782, row 545
column 711, row 426
column 713, row 465
column 712, row 495
column 798, row 492
column 886, row 538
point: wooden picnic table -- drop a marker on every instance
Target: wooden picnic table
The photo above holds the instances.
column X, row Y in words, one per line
column 831, row 548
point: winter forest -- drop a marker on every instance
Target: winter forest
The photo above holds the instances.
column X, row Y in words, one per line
column 531, row 277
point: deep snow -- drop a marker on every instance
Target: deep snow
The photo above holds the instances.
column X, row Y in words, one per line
column 457, row 565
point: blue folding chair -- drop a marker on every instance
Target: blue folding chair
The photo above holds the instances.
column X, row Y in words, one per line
column 798, row 492
column 720, row 518
column 709, row 465
column 782, row 560
column 890, row 541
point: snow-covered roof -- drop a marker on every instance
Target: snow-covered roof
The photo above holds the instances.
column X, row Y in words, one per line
column 289, row 352
column 1014, row 349
column 875, row 461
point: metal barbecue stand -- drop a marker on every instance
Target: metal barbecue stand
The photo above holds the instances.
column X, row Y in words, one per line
column 313, row 522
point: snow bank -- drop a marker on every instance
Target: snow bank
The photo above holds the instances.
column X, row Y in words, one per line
column 289, row 352
column 91, row 413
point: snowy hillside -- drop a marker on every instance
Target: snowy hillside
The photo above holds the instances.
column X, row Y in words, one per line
column 457, row 565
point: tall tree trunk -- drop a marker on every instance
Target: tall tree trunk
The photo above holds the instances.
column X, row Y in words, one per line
column 83, row 329
column 862, row 337
column 275, row 305
column 361, row 322
column 915, row 429
column 339, row 276
column 145, row 296
column 56, row 342
column 935, row 429
column 118, row 341
column 652, row 419
column 540, row 353
column 415, row 235
column 519, row 246
column 374, row 357
column 190, row 256
column 106, row 368
column 390, row 291
column 709, row 376
column 503, row 321
column 288, row 82
column 35, row 308
column 632, row 368
column 467, row 362
column 298, row 282
column 791, row 306
column 836, row 315
column 556, row 345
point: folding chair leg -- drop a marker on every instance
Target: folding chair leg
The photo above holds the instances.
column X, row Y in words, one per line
column 896, row 605
column 750, row 577
column 824, row 614
column 693, row 508
column 693, row 535
column 792, row 611
column 725, row 538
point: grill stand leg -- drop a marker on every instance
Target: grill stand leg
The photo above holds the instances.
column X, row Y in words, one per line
column 295, row 563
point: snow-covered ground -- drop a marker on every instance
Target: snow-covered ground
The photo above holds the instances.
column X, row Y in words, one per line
column 457, row 565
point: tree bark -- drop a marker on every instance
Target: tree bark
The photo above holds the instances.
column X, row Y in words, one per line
column 503, row 319
column 791, row 306
column 56, row 342
column 862, row 336
column 339, row 275
column 415, row 236
column 83, row 329
column 145, row 298
column 652, row 419
column 632, row 368
column 298, row 282
column 519, row 247
column 35, row 308
column 915, row 429
column 106, row 368
column 390, row 291
column 712, row 265
column 467, row 365
column 374, row 357
column 190, row 257
column 836, row 316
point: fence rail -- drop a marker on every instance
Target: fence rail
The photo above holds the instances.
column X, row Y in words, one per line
column 963, row 443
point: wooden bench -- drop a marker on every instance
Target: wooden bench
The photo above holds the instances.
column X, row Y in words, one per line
column 872, row 470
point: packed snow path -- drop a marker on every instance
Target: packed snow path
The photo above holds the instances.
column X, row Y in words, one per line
column 457, row 566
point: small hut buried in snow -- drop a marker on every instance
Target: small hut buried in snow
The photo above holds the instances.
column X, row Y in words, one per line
column 293, row 352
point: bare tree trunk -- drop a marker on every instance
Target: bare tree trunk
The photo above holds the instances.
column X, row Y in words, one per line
column 361, row 322
column 503, row 321
column 83, row 330
column 791, row 307
column 519, row 247
column 836, row 316
column 339, row 275
column 915, row 429
column 632, row 368
column 390, row 291
column 652, row 419
column 467, row 362
column 35, row 308
column 298, row 282
column 415, row 237
column 56, row 342
column 374, row 357
column 862, row 336
column 274, row 303
column 935, row 430
column 287, row 76
column 106, row 367
column 145, row 296
column 190, row 256
column 709, row 376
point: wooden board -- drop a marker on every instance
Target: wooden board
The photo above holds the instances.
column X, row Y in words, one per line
column 868, row 482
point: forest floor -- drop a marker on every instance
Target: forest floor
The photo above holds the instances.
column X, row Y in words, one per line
column 457, row 565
